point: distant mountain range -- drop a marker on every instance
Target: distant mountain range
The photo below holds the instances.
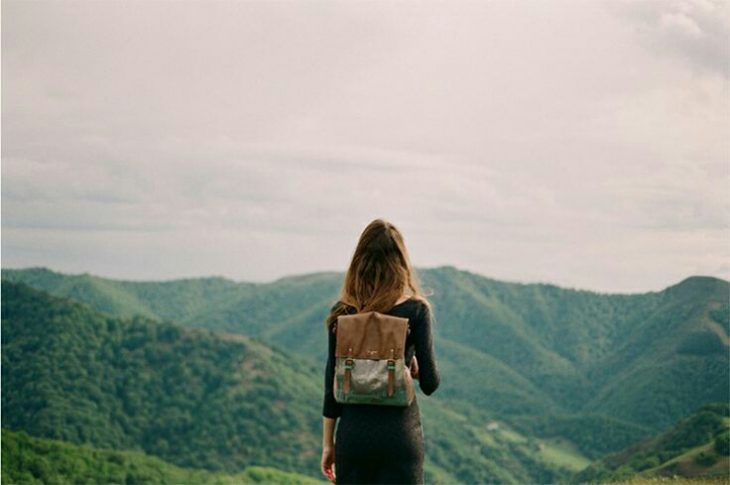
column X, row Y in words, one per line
column 209, row 373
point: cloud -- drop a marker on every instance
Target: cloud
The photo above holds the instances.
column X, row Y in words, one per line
column 257, row 139
column 696, row 31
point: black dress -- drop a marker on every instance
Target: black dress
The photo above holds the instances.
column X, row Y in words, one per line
column 384, row 444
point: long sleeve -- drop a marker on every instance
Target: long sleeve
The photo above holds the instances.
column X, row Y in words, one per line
column 428, row 373
column 330, row 407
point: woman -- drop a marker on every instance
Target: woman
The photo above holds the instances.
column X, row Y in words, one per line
column 377, row 443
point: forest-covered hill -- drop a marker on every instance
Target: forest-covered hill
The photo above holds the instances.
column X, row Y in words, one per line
column 188, row 396
column 537, row 348
column 582, row 371
column 202, row 399
column 698, row 445
column 41, row 461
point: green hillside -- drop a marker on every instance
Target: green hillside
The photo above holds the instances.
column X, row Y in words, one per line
column 676, row 480
column 593, row 434
column 217, row 303
column 554, row 362
column 192, row 397
column 29, row 460
column 697, row 446
column 207, row 400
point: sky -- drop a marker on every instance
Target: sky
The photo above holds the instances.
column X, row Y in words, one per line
column 579, row 143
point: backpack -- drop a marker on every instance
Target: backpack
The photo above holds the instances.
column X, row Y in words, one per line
column 369, row 360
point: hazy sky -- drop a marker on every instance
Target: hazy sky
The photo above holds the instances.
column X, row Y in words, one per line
column 580, row 143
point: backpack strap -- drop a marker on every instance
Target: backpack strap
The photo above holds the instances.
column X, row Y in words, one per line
column 349, row 363
column 391, row 373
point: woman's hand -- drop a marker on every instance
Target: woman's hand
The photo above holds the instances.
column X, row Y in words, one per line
column 328, row 462
column 414, row 367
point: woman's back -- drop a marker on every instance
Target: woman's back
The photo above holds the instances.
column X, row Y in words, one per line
column 378, row 444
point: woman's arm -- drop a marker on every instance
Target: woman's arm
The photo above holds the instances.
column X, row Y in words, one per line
column 328, row 432
column 331, row 410
column 330, row 407
column 328, row 448
column 428, row 373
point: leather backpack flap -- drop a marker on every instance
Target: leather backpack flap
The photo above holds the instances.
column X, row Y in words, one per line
column 371, row 335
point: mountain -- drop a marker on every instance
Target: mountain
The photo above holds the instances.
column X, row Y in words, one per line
column 697, row 445
column 192, row 397
column 539, row 348
column 38, row 460
column 593, row 371
column 211, row 400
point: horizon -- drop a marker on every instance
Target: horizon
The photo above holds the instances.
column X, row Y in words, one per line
column 416, row 268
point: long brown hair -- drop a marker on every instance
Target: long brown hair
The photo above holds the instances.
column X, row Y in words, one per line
column 379, row 273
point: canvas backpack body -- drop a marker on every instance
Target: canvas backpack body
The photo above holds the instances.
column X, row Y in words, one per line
column 369, row 360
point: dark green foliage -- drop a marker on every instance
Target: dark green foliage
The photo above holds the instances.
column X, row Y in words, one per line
column 702, row 343
column 697, row 429
column 595, row 433
column 706, row 459
column 192, row 397
column 708, row 425
column 722, row 443
column 29, row 460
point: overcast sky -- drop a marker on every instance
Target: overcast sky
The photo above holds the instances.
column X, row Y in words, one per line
column 579, row 143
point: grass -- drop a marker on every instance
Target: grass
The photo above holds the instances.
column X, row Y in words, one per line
column 675, row 480
column 563, row 454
